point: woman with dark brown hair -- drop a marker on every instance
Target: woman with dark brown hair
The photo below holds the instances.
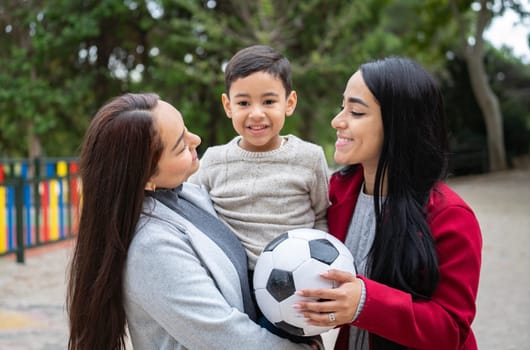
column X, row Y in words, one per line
column 150, row 251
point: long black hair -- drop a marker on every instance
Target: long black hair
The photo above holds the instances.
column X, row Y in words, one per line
column 413, row 159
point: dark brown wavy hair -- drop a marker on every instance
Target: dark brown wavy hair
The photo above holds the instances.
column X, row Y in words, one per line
column 120, row 152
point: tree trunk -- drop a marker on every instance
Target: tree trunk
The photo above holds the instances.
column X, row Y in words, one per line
column 486, row 99
column 489, row 105
column 35, row 147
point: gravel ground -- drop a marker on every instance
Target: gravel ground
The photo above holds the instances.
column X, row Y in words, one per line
column 32, row 295
column 502, row 204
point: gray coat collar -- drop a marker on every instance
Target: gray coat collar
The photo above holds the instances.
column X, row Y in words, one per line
column 214, row 260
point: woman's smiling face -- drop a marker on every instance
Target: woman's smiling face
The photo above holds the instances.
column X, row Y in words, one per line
column 359, row 126
column 179, row 158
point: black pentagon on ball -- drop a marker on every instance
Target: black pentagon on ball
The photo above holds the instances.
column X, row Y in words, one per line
column 289, row 328
column 275, row 242
column 323, row 250
column 280, row 284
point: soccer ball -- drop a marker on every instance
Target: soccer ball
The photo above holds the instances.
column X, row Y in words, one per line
column 294, row 261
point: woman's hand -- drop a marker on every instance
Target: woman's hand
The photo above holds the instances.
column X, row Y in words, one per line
column 335, row 306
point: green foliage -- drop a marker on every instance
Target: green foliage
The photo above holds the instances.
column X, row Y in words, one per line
column 62, row 59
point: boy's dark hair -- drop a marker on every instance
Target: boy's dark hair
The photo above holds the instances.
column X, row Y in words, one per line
column 258, row 58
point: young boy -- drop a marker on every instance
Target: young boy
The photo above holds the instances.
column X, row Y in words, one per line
column 263, row 184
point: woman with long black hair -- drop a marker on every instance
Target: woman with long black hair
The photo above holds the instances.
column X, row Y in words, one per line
column 417, row 244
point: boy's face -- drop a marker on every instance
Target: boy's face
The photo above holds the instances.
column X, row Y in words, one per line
column 258, row 106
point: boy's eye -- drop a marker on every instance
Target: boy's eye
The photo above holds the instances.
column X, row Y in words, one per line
column 269, row 102
column 243, row 103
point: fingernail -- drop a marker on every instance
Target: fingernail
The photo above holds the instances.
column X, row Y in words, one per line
column 296, row 306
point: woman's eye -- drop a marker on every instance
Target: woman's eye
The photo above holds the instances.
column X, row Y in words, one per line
column 356, row 114
column 186, row 146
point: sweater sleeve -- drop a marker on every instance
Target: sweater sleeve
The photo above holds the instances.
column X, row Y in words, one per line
column 171, row 292
column 319, row 192
column 200, row 177
column 444, row 321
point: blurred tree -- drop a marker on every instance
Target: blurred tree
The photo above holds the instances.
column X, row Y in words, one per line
column 61, row 59
column 324, row 40
column 471, row 27
column 22, row 90
column 510, row 80
column 444, row 29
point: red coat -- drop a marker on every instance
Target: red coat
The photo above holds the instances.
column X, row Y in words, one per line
column 444, row 321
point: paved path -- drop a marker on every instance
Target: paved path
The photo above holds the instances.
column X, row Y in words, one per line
column 32, row 299
column 502, row 204
column 32, row 312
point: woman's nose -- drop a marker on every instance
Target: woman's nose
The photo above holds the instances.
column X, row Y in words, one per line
column 195, row 139
column 337, row 122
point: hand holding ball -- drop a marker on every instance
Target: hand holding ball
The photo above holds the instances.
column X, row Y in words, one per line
column 291, row 262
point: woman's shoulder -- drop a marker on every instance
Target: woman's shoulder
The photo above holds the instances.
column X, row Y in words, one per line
column 156, row 220
column 198, row 195
column 347, row 175
column 443, row 195
column 443, row 198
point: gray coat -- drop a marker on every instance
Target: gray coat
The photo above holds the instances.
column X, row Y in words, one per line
column 181, row 290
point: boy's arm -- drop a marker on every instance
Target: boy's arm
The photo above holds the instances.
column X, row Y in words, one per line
column 319, row 192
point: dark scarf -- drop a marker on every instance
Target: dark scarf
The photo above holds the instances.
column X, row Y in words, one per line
column 217, row 231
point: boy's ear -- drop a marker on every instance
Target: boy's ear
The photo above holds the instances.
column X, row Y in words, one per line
column 226, row 105
column 291, row 103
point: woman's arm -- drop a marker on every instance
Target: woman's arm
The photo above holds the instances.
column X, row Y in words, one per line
column 444, row 321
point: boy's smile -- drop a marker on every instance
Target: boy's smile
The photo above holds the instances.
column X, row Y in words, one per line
column 257, row 129
column 258, row 105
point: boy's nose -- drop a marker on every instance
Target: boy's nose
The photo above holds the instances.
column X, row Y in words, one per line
column 256, row 111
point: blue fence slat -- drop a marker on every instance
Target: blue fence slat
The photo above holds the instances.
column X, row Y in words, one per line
column 27, row 204
column 10, row 217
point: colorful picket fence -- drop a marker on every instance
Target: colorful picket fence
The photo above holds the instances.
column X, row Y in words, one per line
column 39, row 203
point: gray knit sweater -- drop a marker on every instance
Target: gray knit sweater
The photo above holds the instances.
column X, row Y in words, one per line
column 261, row 195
